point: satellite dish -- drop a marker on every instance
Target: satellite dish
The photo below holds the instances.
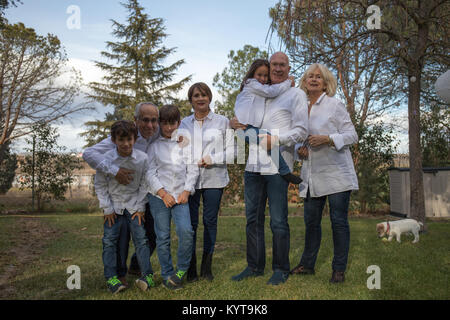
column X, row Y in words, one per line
column 442, row 86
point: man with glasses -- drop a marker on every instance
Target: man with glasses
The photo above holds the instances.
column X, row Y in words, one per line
column 146, row 118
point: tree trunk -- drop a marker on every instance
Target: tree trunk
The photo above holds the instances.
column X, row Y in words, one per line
column 417, row 199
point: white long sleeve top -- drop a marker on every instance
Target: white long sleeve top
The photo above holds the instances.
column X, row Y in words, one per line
column 285, row 116
column 170, row 168
column 328, row 169
column 214, row 138
column 115, row 197
column 94, row 155
column 250, row 102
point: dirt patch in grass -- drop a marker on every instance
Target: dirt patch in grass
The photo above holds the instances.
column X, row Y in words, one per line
column 29, row 241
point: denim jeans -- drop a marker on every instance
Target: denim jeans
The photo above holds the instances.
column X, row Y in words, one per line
column 151, row 236
column 122, row 250
column 257, row 189
column 110, row 241
column 162, row 217
column 338, row 203
column 283, row 168
column 211, row 206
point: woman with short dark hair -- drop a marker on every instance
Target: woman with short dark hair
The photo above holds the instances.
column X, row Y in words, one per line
column 210, row 145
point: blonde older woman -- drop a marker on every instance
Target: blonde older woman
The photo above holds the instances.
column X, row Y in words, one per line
column 327, row 170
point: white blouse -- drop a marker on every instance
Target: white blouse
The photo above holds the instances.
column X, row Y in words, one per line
column 328, row 169
column 214, row 138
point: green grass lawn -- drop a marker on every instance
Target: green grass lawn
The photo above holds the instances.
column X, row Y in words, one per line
column 408, row 271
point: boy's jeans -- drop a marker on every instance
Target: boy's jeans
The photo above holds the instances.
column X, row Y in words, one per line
column 162, row 217
column 111, row 239
column 251, row 131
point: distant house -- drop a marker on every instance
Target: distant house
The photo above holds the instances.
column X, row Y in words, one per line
column 401, row 160
column 83, row 179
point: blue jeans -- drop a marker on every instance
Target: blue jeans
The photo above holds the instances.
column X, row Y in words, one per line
column 149, row 232
column 162, row 217
column 338, row 203
column 211, row 205
column 122, row 250
column 257, row 189
column 110, row 241
column 283, row 168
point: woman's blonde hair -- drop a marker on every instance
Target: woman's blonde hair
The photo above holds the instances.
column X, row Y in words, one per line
column 329, row 79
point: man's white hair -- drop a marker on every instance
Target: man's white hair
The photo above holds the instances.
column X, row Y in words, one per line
column 137, row 110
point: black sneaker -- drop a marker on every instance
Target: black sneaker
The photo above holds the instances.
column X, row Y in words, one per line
column 146, row 282
column 169, row 285
column 292, row 178
column 115, row 285
column 177, row 278
column 278, row 278
column 247, row 273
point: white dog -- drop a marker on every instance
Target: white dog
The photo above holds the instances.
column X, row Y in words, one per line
column 396, row 228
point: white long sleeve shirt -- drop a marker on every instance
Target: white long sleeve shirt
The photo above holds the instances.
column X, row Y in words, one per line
column 285, row 116
column 170, row 169
column 328, row 169
column 94, row 155
column 250, row 102
column 214, row 138
column 115, row 197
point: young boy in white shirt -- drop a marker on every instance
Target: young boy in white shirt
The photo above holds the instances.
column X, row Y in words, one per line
column 124, row 204
column 171, row 179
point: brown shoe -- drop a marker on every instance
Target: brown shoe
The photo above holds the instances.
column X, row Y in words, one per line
column 124, row 281
column 301, row 270
column 337, row 276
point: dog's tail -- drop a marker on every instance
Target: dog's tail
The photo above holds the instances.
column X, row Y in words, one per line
column 421, row 226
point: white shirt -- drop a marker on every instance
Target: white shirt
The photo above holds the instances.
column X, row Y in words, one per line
column 115, row 197
column 250, row 102
column 214, row 138
column 328, row 169
column 170, row 169
column 287, row 117
column 94, row 155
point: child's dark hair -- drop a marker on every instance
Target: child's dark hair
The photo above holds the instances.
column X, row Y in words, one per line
column 123, row 128
column 251, row 72
column 169, row 113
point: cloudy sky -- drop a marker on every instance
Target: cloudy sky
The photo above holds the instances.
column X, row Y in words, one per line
column 203, row 31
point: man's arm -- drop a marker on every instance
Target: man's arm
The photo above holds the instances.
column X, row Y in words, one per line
column 94, row 156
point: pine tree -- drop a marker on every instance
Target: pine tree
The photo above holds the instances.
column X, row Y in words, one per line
column 138, row 73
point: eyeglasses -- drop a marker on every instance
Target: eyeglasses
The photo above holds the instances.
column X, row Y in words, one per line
column 147, row 120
